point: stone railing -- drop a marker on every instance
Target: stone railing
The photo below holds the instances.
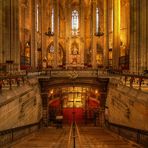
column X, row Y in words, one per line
column 92, row 73
column 10, row 135
column 137, row 135
column 131, row 80
column 9, row 81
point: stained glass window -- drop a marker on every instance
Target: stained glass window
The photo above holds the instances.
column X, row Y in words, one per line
column 75, row 21
column 37, row 18
column 97, row 20
column 52, row 21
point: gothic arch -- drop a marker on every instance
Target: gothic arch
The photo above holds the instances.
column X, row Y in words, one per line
column 50, row 55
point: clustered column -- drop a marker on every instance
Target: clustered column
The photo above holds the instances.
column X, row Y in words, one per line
column 43, row 29
column 116, row 33
column 33, row 29
column 9, row 28
column 56, row 31
column 106, row 35
column 139, row 35
column 82, row 26
column 1, row 36
column 93, row 43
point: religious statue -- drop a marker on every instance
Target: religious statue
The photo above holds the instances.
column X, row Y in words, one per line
column 75, row 51
column 74, row 60
column 99, row 59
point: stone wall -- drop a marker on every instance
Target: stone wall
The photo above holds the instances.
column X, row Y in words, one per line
column 127, row 106
column 21, row 106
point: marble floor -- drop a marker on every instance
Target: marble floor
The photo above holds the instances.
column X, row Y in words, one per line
column 91, row 137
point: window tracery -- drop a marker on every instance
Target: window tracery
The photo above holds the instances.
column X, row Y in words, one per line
column 75, row 22
column 97, row 20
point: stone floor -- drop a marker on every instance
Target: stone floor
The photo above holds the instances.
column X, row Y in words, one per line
column 91, row 137
column 94, row 137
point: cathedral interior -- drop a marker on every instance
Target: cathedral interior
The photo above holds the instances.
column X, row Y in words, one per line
column 74, row 73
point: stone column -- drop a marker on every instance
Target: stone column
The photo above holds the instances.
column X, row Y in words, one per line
column 43, row 28
column 33, row 37
column 15, row 34
column 132, row 34
column 106, row 35
column 135, row 36
column 56, row 31
column 116, row 33
column 142, row 42
column 93, row 43
column 138, row 37
column 85, row 34
column 1, row 31
column 7, row 30
column 82, row 27
column 128, row 24
column 67, row 30
column 147, row 33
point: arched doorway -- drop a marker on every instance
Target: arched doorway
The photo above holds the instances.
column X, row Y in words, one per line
column 78, row 104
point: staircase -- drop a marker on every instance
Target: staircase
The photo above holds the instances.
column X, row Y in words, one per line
column 91, row 137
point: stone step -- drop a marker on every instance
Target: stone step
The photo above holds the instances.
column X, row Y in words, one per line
column 91, row 137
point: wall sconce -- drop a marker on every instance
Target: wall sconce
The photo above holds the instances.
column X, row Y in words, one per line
column 99, row 33
column 49, row 33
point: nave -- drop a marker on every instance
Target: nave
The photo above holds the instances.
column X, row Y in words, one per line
column 91, row 137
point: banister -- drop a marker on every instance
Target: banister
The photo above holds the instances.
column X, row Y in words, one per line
column 69, row 137
column 79, row 137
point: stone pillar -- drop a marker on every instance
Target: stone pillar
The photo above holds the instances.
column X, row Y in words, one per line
column 15, row 34
column 56, row 31
column 142, row 33
column 116, row 33
column 1, row 31
column 33, row 37
column 86, row 33
column 67, row 30
column 10, row 30
column 93, row 30
column 132, row 34
column 106, row 35
column 147, row 33
column 138, row 37
column 135, row 36
column 82, row 26
column 128, row 25
column 6, row 29
column 43, row 28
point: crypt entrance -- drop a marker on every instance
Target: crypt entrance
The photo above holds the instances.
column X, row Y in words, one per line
column 81, row 100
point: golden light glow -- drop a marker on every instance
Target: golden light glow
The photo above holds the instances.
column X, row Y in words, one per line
column 51, row 92
column 96, row 91
column 75, row 96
